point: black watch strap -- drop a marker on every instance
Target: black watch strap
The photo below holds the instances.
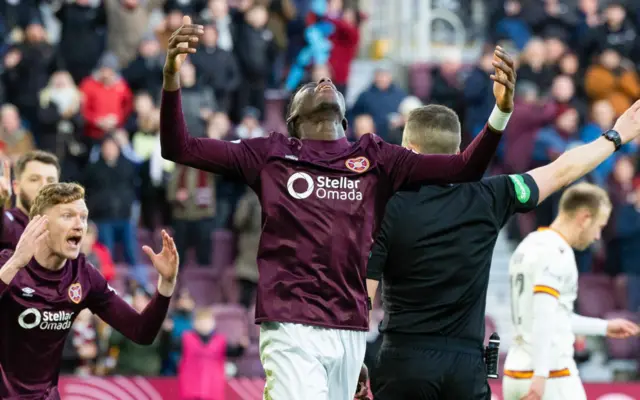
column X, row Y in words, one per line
column 613, row 137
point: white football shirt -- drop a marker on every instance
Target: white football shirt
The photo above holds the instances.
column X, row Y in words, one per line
column 542, row 263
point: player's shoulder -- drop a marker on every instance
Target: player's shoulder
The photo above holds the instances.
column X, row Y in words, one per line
column 267, row 141
column 546, row 244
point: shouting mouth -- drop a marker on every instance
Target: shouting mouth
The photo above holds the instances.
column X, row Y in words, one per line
column 74, row 241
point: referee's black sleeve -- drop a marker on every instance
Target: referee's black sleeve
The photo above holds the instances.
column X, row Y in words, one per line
column 380, row 249
column 510, row 194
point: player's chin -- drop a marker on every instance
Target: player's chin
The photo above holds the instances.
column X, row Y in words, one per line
column 71, row 250
column 327, row 97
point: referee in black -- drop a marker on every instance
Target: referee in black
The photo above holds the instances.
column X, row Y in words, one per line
column 433, row 255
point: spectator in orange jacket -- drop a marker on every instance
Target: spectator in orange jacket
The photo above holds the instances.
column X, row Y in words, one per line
column 107, row 99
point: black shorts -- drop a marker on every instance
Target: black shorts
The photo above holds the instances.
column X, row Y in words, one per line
column 437, row 369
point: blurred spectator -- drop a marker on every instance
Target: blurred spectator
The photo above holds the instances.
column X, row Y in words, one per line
column 530, row 114
column 107, row 99
column 82, row 39
column 14, row 139
column 178, row 322
column 247, row 222
column 362, row 125
column 227, row 190
column 511, row 24
column 217, row 68
column 614, row 79
column 533, row 67
column 59, row 118
column 478, row 93
column 254, row 49
column 345, row 40
column 380, row 101
column 553, row 140
column 250, row 124
column 281, row 12
column 129, row 358
column 192, row 193
column 218, row 14
column 399, row 119
column 27, row 70
column 204, row 355
column 97, row 253
column 81, row 348
column 144, row 73
column 447, row 81
column 197, row 99
column 127, row 24
column 143, row 107
column 154, row 171
column 617, row 33
column 171, row 22
column 110, row 184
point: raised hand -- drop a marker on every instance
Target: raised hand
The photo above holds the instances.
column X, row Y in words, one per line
column 628, row 124
column 5, row 182
column 166, row 262
column 619, row 328
column 182, row 42
column 504, row 79
column 33, row 238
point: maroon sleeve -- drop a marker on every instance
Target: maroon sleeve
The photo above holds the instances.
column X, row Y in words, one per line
column 241, row 160
column 141, row 328
column 406, row 168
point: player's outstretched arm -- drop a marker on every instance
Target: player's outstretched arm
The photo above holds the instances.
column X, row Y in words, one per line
column 141, row 328
column 238, row 160
column 579, row 161
column 406, row 168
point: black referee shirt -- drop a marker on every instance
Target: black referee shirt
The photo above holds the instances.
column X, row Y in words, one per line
column 433, row 254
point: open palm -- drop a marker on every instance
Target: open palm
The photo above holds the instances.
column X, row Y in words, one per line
column 166, row 261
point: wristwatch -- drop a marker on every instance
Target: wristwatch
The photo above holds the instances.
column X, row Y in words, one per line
column 613, row 137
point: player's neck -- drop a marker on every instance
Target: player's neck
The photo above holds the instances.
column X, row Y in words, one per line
column 325, row 129
column 566, row 229
column 49, row 260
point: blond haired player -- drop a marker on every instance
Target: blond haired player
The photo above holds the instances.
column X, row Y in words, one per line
column 544, row 286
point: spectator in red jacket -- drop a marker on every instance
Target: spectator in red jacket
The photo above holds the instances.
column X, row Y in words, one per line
column 97, row 253
column 107, row 101
column 345, row 39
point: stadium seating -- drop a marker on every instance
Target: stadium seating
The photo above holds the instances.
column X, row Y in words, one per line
column 595, row 295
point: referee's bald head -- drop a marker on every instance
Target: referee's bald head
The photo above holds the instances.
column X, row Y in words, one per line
column 432, row 129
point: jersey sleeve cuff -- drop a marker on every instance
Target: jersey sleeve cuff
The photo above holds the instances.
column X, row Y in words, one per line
column 546, row 290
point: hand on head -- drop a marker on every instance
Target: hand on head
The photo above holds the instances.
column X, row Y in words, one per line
column 182, row 42
column 33, row 238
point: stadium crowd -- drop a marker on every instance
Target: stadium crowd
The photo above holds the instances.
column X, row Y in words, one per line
column 82, row 79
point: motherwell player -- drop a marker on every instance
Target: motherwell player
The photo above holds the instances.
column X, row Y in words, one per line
column 45, row 283
column 544, row 287
column 33, row 170
column 322, row 198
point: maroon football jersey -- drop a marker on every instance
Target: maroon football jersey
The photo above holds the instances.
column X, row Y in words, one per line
column 36, row 312
column 321, row 205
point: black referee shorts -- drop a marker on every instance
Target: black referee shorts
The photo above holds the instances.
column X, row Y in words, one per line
column 429, row 368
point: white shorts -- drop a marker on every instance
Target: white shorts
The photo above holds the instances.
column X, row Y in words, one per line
column 565, row 388
column 303, row 362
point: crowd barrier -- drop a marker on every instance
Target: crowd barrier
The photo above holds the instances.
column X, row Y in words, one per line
column 139, row 388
